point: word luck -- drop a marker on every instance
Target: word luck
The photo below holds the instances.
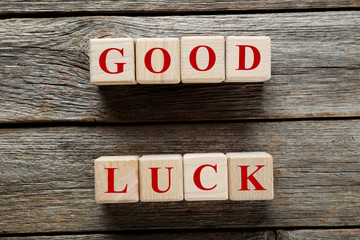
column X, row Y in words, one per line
column 193, row 177
column 171, row 60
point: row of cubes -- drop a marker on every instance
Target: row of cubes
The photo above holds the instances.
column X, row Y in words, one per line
column 198, row 59
column 193, row 177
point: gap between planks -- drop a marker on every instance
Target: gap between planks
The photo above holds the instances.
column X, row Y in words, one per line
column 55, row 14
column 4, row 125
column 277, row 232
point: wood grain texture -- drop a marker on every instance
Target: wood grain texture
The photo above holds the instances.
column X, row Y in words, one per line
column 124, row 177
column 208, row 64
column 255, row 71
column 121, row 48
column 44, row 74
column 319, row 234
column 47, row 176
column 170, row 178
column 150, row 64
column 212, row 181
column 259, row 165
column 183, row 235
column 153, row 6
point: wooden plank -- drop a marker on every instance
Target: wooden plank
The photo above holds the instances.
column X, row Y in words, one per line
column 315, row 70
column 139, row 235
column 47, row 176
column 177, row 6
column 319, row 234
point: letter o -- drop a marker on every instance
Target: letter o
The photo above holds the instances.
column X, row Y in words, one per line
column 212, row 58
column 167, row 60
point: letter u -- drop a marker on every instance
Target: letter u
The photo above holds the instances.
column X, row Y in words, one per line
column 155, row 179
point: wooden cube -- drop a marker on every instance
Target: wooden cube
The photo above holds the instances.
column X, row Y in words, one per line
column 202, row 59
column 250, row 176
column 116, row 179
column 248, row 59
column 161, row 178
column 158, row 60
column 112, row 61
column 205, row 176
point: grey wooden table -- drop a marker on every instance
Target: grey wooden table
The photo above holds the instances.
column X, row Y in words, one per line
column 54, row 123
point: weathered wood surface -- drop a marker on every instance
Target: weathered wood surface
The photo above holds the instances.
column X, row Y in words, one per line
column 196, row 235
column 319, row 234
column 46, row 180
column 44, row 69
column 307, row 234
column 177, row 6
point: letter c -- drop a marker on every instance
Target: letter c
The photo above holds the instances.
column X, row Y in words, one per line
column 197, row 180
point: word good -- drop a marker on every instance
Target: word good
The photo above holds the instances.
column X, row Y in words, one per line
column 193, row 177
column 171, row 60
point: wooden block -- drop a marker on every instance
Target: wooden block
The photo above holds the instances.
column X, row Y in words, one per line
column 250, row 176
column 158, row 60
column 116, row 179
column 205, row 176
column 112, row 61
column 203, row 59
column 161, row 178
column 248, row 59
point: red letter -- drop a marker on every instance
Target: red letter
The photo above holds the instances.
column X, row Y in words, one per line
column 154, row 180
column 102, row 61
column 251, row 178
column 167, row 60
column 197, row 177
column 111, row 182
column 257, row 57
column 212, row 58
